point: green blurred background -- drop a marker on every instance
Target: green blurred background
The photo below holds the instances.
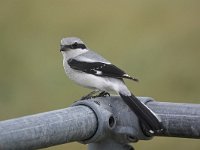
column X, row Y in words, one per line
column 160, row 39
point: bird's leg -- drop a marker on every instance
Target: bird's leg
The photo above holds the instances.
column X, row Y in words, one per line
column 90, row 95
column 102, row 94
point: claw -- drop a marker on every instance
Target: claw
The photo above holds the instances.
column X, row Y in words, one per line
column 85, row 97
column 89, row 96
column 104, row 94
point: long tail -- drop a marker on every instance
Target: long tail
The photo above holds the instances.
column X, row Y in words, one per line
column 151, row 123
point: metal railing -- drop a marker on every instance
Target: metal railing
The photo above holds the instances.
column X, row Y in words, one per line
column 103, row 123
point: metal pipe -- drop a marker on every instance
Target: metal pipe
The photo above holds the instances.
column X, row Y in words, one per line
column 94, row 121
column 179, row 119
column 48, row 129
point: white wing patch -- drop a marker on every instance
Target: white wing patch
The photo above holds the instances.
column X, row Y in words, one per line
column 98, row 72
column 126, row 75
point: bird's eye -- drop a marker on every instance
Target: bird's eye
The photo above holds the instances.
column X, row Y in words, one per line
column 75, row 45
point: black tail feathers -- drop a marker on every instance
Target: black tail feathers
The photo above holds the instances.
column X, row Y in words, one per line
column 150, row 122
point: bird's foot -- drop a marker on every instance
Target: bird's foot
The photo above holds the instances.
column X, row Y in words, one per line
column 92, row 95
column 89, row 96
column 102, row 94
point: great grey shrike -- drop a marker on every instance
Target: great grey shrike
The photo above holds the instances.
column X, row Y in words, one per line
column 91, row 70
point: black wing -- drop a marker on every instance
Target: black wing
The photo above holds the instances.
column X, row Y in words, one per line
column 99, row 69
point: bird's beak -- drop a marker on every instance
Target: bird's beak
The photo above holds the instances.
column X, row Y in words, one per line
column 62, row 48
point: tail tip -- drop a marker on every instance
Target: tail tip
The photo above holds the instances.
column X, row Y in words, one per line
column 151, row 132
column 135, row 79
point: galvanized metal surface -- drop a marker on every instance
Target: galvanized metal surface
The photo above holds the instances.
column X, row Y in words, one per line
column 47, row 129
column 101, row 122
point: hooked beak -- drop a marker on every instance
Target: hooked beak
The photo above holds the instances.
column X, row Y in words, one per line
column 62, row 48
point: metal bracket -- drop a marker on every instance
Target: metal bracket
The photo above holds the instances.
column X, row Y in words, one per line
column 117, row 124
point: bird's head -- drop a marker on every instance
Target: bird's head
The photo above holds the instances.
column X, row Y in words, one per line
column 71, row 43
column 72, row 46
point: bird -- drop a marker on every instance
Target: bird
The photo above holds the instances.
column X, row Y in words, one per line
column 89, row 69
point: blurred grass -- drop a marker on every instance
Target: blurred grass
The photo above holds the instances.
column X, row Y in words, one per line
column 157, row 41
